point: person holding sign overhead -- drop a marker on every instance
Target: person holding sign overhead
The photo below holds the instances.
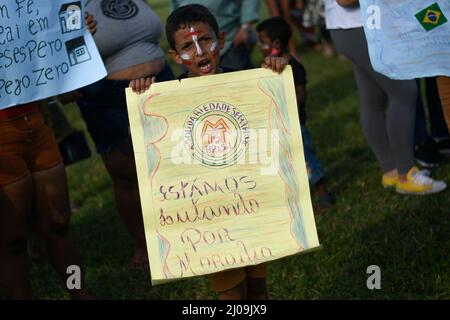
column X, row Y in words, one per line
column 127, row 36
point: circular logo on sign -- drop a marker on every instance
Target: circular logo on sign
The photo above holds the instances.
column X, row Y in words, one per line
column 119, row 9
column 216, row 134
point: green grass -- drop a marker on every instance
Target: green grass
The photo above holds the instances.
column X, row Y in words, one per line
column 408, row 237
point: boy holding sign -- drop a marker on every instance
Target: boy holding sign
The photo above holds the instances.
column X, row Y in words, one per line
column 194, row 37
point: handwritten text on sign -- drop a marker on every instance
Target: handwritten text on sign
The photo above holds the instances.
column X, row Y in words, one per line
column 196, row 239
column 45, row 50
column 222, row 177
column 408, row 39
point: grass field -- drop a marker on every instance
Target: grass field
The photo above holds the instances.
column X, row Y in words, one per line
column 408, row 237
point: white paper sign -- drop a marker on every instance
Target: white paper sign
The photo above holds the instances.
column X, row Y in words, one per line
column 408, row 38
column 45, row 50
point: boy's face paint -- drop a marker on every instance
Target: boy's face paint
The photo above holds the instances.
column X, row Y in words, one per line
column 186, row 58
column 214, row 46
column 198, row 48
column 275, row 52
column 195, row 39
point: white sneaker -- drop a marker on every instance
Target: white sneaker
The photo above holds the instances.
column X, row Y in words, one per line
column 418, row 183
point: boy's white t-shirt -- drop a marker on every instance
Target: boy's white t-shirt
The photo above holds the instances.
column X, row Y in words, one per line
column 337, row 17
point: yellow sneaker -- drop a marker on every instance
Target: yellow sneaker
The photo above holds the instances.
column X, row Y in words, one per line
column 418, row 183
column 389, row 181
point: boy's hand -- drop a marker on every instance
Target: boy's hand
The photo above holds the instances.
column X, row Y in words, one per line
column 91, row 24
column 142, row 84
column 277, row 64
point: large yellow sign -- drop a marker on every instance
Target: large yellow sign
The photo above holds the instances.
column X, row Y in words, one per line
column 221, row 171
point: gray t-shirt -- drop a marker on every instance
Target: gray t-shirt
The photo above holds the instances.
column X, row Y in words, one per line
column 128, row 32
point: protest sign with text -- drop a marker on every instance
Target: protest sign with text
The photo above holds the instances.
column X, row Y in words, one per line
column 45, row 50
column 408, row 39
column 222, row 175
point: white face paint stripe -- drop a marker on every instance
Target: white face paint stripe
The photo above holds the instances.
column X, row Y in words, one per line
column 195, row 39
column 214, row 46
column 185, row 56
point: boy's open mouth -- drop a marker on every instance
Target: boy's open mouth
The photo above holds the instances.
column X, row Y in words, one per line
column 205, row 66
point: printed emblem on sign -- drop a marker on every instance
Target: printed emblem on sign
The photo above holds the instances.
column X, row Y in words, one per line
column 70, row 18
column 216, row 134
column 431, row 17
column 78, row 51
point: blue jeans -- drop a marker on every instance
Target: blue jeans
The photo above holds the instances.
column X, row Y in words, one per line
column 315, row 170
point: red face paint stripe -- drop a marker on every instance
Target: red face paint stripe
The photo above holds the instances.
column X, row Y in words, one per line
column 190, row 34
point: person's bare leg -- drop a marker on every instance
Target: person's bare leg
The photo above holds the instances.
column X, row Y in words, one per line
column 51, row 222
column 15, row 215
column 238, row 292
column 121, row 166
column 328, row 50
column 257, row 289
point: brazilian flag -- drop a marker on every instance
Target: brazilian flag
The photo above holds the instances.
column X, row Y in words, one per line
column 431, row 17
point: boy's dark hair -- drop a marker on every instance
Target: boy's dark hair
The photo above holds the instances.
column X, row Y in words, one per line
column 186, row 15
column 276, row 28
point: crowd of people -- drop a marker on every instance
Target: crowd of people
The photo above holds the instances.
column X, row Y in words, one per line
column 34, row 197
